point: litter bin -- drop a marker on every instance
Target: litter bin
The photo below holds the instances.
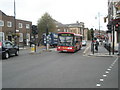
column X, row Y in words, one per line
column 33, row 48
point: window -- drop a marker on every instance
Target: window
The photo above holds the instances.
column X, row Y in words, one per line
column 21, row 37
column 27, row 26
column 66, row 40
column 58, row 29
column 9, row 24
column 8, row 45
column 20, row 25
column 1, row 23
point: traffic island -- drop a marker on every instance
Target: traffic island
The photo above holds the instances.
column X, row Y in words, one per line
column 47, row 50
column 33, row 53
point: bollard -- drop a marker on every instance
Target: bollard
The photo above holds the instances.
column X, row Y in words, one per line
column 33, row 48
column 92, row 47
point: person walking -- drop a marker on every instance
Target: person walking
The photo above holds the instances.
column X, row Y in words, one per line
column 96, row 45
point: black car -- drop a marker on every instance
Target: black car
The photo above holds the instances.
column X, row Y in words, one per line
column 7, row 48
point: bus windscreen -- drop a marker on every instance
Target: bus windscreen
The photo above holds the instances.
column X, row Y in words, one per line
column 65, row 40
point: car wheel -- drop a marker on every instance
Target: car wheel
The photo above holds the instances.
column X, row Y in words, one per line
column 16, row 53
column 7, row 55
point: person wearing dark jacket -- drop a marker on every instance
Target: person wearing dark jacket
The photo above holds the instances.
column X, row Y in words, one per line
column 96, row 45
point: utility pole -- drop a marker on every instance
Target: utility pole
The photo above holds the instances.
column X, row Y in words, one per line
column 14, row 23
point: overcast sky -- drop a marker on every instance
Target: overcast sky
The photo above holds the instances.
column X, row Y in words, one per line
column 64, row 11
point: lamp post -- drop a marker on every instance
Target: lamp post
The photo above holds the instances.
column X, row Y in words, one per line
column 47, row 43
column 99, row 23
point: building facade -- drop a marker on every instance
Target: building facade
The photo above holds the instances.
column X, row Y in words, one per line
column 77, row 28
column 15, row 30
column 114, row 23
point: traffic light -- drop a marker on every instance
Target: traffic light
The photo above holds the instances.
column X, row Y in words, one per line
column 105, row 19
column 34, row 29
column 109, row 27
column 117, row 27
column 92, row 33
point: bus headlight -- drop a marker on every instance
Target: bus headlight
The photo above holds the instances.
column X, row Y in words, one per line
column 58, row 47
column 69, row 47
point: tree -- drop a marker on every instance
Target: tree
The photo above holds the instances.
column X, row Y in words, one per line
column 46, row 23
column 89, row 35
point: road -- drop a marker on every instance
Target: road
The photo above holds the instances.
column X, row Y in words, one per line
column 59, row 70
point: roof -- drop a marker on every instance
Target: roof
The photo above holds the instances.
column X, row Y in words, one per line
column 77, row 24
column 59, row 24
column 2, row 12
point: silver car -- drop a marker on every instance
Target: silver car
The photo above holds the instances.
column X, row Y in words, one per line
column 84, row 43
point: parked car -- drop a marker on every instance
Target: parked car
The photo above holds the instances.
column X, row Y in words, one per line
column 84, row 43
column 7, row 48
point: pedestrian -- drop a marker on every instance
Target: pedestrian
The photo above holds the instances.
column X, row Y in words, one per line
column 96, row 45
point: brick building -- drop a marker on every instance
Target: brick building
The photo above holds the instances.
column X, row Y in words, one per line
column 9, row 31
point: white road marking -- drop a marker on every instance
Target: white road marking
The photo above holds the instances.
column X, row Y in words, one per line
column 112, row 65
column 101, row 80
column 106, row 72
column 98, row 85
column 109, row 69
column 104, row 75
column 114, row 62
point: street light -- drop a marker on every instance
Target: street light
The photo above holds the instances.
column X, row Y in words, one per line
column 47, row 43
column 98, row 22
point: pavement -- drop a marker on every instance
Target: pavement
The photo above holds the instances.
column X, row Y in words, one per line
column 101, row 52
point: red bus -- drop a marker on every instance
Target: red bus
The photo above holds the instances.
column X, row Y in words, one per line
column 69, row 42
